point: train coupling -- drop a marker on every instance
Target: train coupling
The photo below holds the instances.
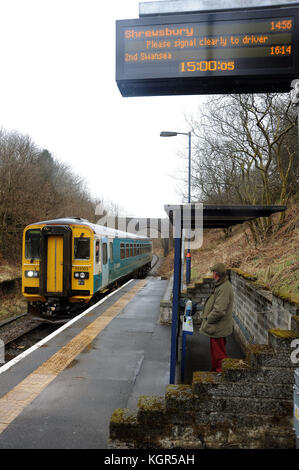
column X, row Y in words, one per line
column 51, row 308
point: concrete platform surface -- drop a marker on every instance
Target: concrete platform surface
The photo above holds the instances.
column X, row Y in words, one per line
column 73, row 406
column 62, row 394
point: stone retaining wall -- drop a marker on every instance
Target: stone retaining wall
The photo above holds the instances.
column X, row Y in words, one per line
column 249, row 405
column 257, row 310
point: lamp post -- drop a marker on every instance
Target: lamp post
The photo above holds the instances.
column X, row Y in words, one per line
column 173, row 134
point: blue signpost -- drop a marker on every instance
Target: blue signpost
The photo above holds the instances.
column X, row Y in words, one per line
column 175, row 306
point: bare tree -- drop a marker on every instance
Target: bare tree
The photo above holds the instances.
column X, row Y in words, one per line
column 34, row 186
column 245, row 152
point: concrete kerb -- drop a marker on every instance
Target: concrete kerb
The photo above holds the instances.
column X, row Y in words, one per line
column 166, row 304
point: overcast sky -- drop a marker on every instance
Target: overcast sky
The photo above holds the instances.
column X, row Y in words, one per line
column 58, row 86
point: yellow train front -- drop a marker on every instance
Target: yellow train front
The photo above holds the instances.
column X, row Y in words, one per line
column 67, row 262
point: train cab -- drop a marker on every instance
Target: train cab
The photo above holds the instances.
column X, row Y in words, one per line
column 66, row 262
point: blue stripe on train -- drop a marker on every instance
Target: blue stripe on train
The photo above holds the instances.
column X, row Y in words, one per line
column 120, row 269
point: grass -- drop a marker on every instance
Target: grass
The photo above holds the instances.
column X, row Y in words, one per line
column 11, row 305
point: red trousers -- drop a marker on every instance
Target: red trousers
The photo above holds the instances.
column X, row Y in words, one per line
column 218, row 352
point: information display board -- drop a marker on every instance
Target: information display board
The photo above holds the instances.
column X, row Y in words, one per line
column 253, row 50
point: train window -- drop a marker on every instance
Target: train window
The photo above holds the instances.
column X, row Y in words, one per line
column 97, row 251
column 82, row 248
column 134, row 250
column 122, row 251
column 127, row 250
column 111, row 251
column 32, row 244
column 105, row 254
column 131, row 250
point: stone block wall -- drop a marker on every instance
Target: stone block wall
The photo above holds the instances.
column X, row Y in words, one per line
column 257, row 310
column 249, row 406
column 197, row 293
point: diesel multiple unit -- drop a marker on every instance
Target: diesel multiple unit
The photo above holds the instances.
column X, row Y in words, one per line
column 69, row 261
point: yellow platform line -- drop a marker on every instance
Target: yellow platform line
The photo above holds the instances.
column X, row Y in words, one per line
column 14, row 402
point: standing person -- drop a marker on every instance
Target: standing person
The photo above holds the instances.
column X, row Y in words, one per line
column 216, row 318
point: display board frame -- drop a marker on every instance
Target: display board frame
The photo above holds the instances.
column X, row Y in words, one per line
column 267, row 79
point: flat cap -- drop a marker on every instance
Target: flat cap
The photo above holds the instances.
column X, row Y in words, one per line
column 219, row 268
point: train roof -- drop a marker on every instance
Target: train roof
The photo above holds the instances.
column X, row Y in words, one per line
column 98, row 229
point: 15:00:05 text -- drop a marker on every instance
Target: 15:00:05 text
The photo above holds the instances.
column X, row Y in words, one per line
column 207, row 66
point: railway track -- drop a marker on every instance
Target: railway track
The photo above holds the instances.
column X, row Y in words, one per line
column 21, row 332
column 13, row 328
column 155, row 264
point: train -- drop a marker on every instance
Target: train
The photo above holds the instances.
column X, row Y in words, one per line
column 67, row 263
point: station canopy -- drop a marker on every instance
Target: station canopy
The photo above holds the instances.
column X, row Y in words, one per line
column 209, row 216
column 220, row 216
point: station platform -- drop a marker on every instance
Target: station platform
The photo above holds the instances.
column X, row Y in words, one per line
column 62, row 394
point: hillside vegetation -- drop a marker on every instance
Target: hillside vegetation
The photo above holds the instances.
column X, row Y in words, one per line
column 275, row 261
column 245, row 151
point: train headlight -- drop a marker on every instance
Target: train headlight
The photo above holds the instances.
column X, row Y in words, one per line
column 81, row 275
column 31, row 274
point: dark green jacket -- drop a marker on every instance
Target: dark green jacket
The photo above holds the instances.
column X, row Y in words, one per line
column 216, row 318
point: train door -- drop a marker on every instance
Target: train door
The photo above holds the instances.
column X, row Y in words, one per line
column 54, row 281
column 105, row 261
column 111, row 261
column 97, row 265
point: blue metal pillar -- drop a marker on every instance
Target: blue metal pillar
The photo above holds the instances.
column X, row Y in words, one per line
column 175, row 306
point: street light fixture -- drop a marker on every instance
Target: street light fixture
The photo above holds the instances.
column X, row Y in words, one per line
column 168, row 134
column 174, row 134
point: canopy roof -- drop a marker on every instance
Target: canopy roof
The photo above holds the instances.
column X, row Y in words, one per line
column 219, row 216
